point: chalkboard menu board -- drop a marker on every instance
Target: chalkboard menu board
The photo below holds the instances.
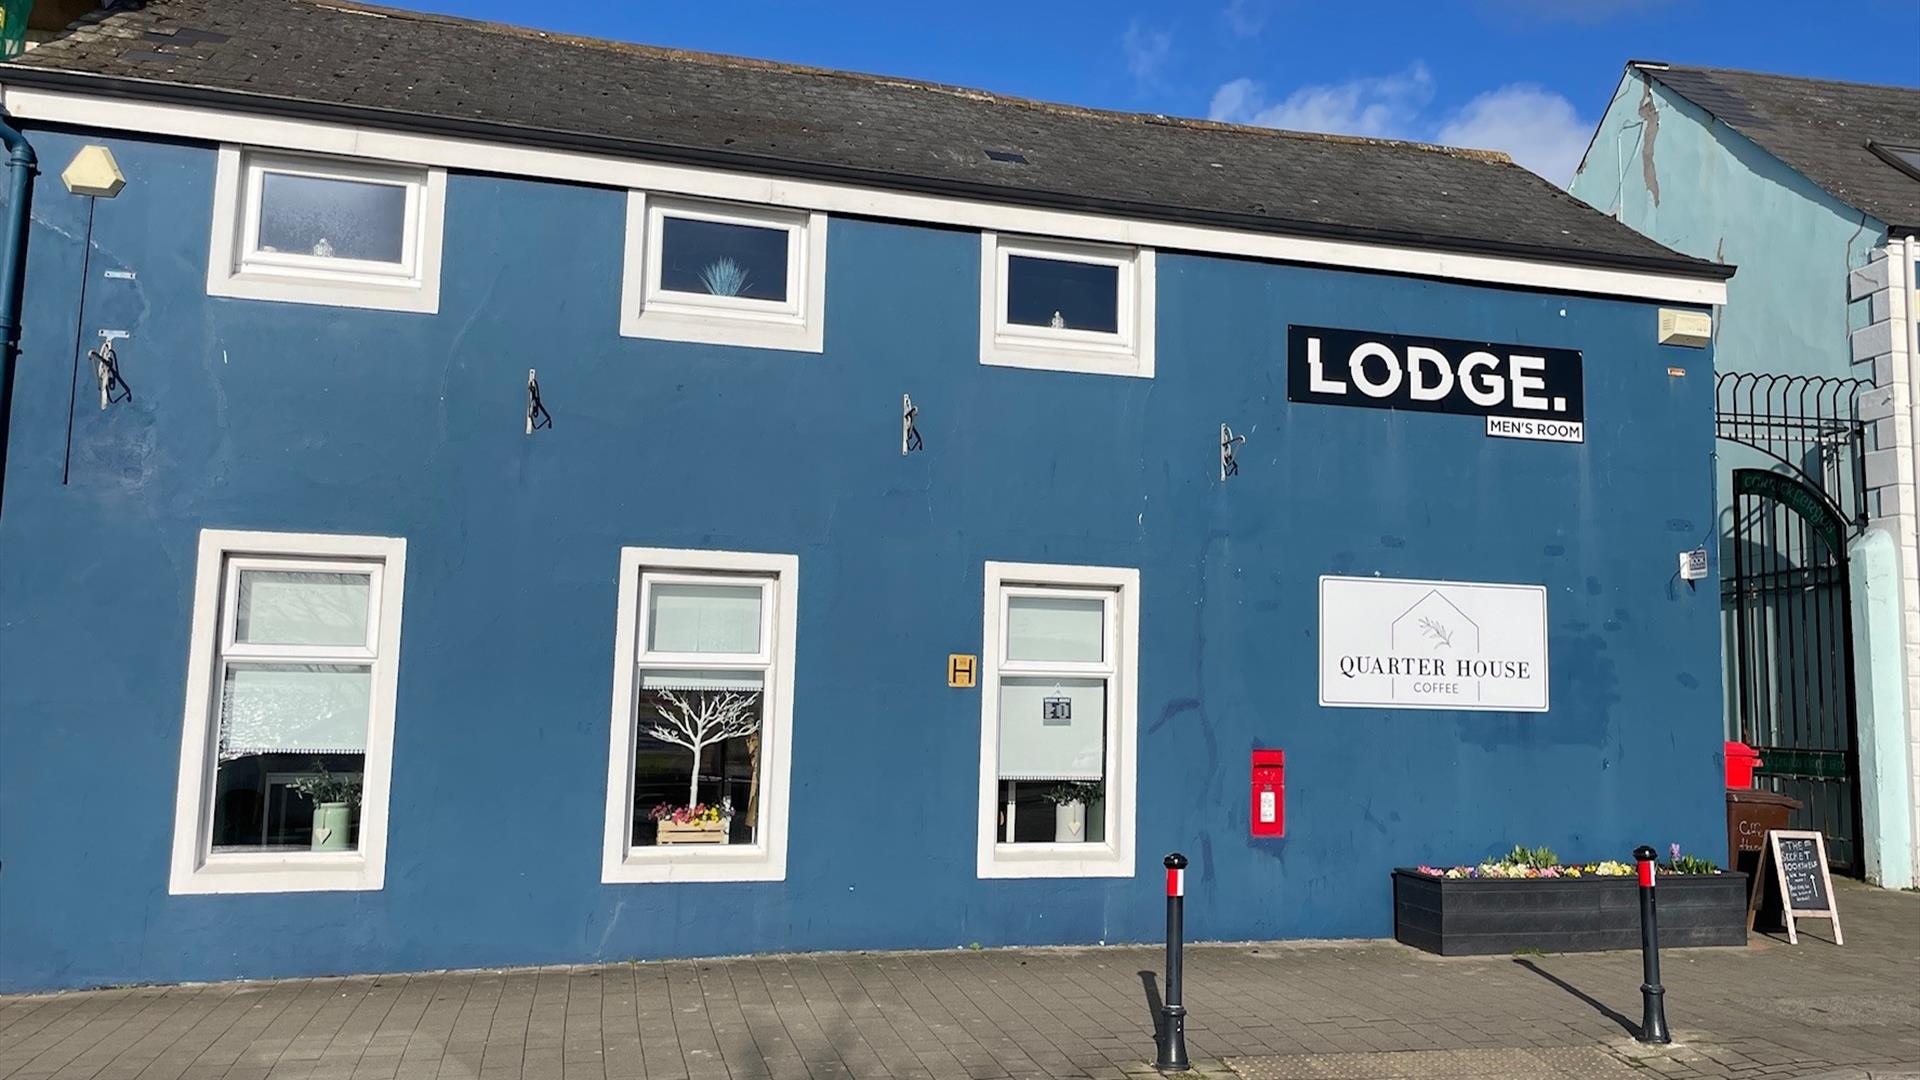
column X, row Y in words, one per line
column 1804, row 866
column 1801, row 876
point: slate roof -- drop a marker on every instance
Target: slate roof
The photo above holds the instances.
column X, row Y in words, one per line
column 338, row 60
column 1819, row 127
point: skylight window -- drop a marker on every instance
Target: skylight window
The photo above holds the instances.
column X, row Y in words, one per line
column 1904, row 158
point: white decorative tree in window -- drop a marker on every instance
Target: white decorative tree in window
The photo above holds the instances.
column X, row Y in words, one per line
column 707, row 719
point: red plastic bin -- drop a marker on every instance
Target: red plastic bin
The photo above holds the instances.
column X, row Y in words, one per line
column 1741, row 761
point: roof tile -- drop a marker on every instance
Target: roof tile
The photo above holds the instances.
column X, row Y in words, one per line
column 411, row 69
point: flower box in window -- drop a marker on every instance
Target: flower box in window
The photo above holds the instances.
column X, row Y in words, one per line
column 692, row 832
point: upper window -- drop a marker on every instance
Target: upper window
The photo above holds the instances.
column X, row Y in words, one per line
column 1057, row 722
column 697, row 782
column 724, row 274
column 1066, row 306
column 283, row 771
column 326, row 231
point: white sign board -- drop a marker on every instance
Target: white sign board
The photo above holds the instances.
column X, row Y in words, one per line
column 1516, row 427
column 1389, row 643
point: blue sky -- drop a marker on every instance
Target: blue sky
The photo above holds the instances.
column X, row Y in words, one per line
column 1526, row 76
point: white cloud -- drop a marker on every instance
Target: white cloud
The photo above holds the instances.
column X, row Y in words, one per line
column 1534, row 125
column 1146, row 51
column 1383, row 106
column 1246, row 18
column 1538, row 128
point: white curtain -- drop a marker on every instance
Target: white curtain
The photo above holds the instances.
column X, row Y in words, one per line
column 700, row 680
column 1067, row 747
column 295, row 708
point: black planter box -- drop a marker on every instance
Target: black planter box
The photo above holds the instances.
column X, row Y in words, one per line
column 1480, row 916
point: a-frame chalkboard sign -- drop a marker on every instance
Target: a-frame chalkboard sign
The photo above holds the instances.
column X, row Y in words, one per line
column 1799, row 861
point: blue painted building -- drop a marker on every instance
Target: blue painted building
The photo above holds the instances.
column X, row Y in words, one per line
column 472, row 523
column 1812, row 187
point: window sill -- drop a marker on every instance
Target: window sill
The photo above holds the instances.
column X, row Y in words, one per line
column 1054, row 861
column 718, row 862
column 277, row 872
column 671, row 322
column 1075, row 359
column 294, row 288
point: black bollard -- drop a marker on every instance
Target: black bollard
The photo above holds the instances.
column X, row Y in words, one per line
column 1173, row 1041
column 1653, row 1015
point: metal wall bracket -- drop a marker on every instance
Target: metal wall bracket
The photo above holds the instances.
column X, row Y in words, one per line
column 910, row 440
column 1228, row 440
column 106, row 368
column 537, row 414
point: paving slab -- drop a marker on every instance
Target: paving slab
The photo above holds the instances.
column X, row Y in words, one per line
column 1814, row 1011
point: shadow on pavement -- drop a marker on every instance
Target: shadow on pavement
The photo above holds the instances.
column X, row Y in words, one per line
column 1626, row 1025
column 1150, row 983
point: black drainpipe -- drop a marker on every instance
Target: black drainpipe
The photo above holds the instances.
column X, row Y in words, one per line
column 21, row 164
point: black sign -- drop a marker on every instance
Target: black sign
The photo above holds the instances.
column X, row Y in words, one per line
column 1800, row 860
column 1056, row 710
column 1423, row 374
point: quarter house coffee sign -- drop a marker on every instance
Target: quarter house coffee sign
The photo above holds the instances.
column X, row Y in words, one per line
column 1523, row 391
column 1389, row 643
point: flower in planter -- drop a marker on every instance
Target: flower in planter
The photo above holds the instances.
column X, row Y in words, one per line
column 1687, row 864
column 695, row 814
column 1529, row 864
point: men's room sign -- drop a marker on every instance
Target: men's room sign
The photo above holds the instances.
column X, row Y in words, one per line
column 1389, row 643
column 1524, row 391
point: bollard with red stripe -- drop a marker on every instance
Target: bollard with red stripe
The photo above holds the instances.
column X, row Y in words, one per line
column 1653, row 1015
column 1173, row 1027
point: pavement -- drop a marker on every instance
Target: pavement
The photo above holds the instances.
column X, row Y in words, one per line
column 1258, row 1011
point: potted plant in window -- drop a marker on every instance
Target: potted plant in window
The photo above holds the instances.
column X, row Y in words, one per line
column 696, row 722
column 1070, row 801
column 334, row 799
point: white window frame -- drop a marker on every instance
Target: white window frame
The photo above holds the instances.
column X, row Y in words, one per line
column 236, row 268
column 648, row 311
column 766, row 858
column 1127, row 351
column 1120, row 587
column 222, row 555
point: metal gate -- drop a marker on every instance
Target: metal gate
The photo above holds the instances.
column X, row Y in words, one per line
column 1785, row 594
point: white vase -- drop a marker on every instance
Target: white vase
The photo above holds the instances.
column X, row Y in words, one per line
column 1070, row 823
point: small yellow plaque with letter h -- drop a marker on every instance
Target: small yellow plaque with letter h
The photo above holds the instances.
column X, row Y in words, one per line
column 960, row 670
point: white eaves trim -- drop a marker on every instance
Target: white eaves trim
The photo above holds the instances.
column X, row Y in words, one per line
column 193, row 122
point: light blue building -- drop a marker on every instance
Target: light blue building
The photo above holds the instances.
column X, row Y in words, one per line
column 479, row 498
column 1812, row 187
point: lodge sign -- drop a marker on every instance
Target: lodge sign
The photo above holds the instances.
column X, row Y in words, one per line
column 1427, row 374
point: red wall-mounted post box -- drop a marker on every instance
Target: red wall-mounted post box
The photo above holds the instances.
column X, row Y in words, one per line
column 1269, row 810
